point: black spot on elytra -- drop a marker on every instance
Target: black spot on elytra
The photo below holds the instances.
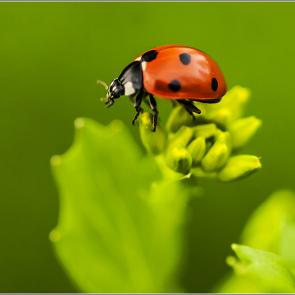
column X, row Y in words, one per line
column 185, row 58
column 174, row 85
column 149, row 55
column 214, row 84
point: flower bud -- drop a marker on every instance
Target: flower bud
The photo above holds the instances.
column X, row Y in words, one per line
column 239, row 166
column 235, row 100
column 154, row 142
column 179, row 159
column 243, row 129
column 220, row 115
column 224, row 137
column 230, row 108
column 182, row 137
column 264, row 269
column 218, row 154
column 215, row 158
column 178, row 117
column 197, row 149
column 206, row 130
column 200, row 173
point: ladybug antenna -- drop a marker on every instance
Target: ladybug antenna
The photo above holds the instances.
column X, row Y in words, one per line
column 102, row 83
column 105, row 86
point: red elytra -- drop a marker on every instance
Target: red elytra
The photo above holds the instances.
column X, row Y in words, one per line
column 195, row 77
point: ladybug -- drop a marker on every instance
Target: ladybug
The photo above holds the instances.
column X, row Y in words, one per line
column 179, row 73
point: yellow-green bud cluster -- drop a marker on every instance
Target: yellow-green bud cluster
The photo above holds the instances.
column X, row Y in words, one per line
column 208, row 146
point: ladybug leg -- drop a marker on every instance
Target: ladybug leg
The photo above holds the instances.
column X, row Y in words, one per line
column 189, row 107
column 153, row 105
column 138, row 108
column 109, row 103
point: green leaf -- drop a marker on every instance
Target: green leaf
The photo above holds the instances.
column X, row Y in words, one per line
column 287, row 245
column 237, row 284
column 120, row 226
column 263, row 269
column 264, row 228
column 270, row 228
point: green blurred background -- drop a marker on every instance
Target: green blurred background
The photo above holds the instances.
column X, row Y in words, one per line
column 51, row 55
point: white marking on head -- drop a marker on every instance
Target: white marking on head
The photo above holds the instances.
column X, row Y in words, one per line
column 129, row 89
column 143, row 65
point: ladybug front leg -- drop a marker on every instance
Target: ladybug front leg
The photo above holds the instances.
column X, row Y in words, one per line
column 189, row 107
column 153, row 105
column 137, row 105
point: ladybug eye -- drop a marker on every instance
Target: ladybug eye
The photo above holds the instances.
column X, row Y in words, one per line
column 214, row 84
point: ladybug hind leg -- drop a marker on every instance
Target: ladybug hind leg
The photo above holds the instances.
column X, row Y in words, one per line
column 189, row 107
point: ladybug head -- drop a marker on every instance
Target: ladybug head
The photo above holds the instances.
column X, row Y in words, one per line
column 115, row 90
